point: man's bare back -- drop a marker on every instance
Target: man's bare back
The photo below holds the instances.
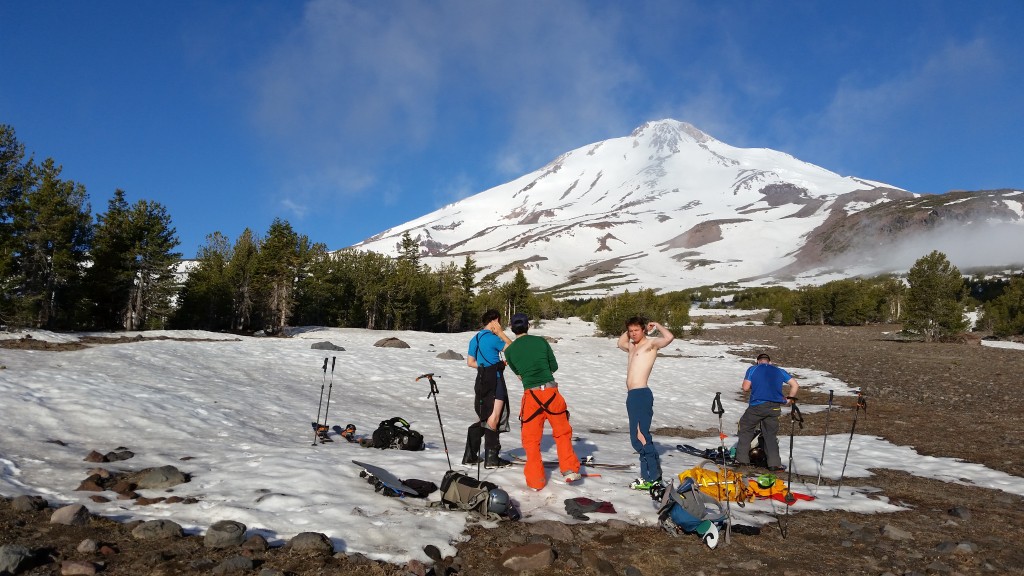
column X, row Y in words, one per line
column 642, row 352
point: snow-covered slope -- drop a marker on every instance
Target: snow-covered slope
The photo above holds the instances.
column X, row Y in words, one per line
column 668, row 207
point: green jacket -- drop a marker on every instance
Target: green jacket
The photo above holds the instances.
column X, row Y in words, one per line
column 531, row 358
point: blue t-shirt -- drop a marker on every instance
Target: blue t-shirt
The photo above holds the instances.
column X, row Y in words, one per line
column 486, row 347
column 766, row 383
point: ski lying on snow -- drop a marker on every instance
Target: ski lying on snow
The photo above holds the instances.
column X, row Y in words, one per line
column 587, row 461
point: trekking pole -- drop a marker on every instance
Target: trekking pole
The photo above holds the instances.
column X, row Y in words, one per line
column 861, row 403
column 433, row 392
column 329, row 388
column 796, row 417
column 716, row 408
column 821, row 462
column 316, row 425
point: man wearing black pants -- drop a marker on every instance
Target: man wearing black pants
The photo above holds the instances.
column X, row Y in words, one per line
column 484, row 354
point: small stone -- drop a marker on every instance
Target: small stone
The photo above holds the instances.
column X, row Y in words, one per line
column 314, row 542
column 12, row 556
column 77, row 568
column 256, row 543
column 158, row 530
column 416, row 568
column 225, row 534
column 107, row 550
column 144, row 501
column 960, row 512
column 29, row 503
column 99, row 499
column 90, row 485
column 528, row 557
column 88, row 546
column 894, row 533
column 71, row 515
column 95, row 456
column 234, row 564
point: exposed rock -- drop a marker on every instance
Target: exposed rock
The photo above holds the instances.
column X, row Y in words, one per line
column 77, row 568
column 12, row 556
column 391, row 342
column 450, row 355
column 552, row 529
column 234, row 564
column 894, row 533
column 88, row 546
column 29, row 503
column 158, row 530
column 118, row 456
column 533, row 556
column 325, row 345
column 225, row 534
column 598, row 564
column 960, row 512
column 71, row 515
column 158, row 478
column 256, row 543
column 311, row 542
column 95, row 456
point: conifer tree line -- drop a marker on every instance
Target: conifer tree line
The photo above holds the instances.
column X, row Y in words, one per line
column 63, row 269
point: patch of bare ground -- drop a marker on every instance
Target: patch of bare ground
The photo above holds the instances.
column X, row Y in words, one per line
column 957, row 400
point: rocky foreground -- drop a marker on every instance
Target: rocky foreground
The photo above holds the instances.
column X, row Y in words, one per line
column 947, row 399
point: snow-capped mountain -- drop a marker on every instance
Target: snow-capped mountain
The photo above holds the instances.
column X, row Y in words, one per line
column 670, row 207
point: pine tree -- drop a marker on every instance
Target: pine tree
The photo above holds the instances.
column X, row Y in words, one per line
column 205, row 299
column 934, row 307
column 51, row 230
column 241, row 272
column 15, row 178
column 134, row 257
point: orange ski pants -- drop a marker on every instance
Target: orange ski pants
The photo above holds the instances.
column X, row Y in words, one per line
column 540, row 406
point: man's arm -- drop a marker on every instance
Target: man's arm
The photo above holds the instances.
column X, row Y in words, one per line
column 746, row 385
column 623, row 343
column 666, row 336
column 793, row 387
column 471, row 361
column 552, row 363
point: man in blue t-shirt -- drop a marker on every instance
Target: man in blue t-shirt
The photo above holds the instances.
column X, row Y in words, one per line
column 490, row 393
column 764, row 382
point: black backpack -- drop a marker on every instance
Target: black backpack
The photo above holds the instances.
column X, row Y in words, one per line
column 396, row 433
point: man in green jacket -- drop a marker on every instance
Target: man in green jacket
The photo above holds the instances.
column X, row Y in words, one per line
column 531, row 358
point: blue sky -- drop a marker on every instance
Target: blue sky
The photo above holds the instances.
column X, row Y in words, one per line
column 348, row 118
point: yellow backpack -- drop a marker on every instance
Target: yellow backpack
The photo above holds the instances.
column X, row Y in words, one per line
column 719, row 483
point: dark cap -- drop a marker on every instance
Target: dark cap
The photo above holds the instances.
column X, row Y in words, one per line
column 520, row 320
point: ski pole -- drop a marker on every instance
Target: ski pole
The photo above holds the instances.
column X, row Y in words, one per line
column 316, row 425
column 433, row 392
column 329, row 388
column 796, row 417
column 861, row 403
column 717, row 408
column 821, row 462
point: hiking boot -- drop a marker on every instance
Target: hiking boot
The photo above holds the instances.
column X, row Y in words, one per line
column 492, row 460
column 645, row 485
column 570, row 477
column 472, row 460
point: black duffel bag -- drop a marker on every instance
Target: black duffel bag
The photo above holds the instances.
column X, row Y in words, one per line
column 396, row 433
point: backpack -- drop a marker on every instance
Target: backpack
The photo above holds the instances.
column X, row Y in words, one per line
column 396, row 433
column 719, row 483
column 462, row 492
column 688, row 510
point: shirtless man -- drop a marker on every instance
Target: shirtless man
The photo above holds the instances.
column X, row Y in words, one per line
column 642, row 350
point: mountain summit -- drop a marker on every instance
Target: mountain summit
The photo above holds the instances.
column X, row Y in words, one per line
column 667, row 207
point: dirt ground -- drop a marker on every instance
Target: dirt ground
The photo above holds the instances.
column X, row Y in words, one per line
column 958, row 400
